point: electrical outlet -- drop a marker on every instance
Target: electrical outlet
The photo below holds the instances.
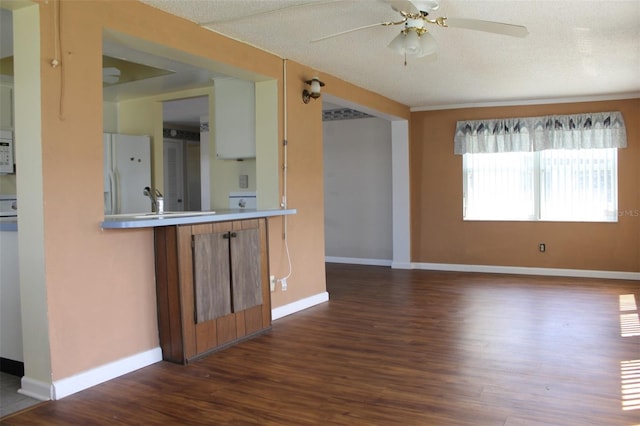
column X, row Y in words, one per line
column 542, row 247
column 272, row 283
column 283, row 282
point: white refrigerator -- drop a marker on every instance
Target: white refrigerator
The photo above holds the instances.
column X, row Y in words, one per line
column 127, row 171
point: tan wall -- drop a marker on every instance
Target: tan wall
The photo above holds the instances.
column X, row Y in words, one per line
column 100, row 284
column 305, row 231
column 441, row 236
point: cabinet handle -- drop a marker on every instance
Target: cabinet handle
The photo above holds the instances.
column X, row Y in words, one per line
column 233, row 235
column 225, row 236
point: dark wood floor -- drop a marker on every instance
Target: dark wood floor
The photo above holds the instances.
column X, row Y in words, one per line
column 397, row 347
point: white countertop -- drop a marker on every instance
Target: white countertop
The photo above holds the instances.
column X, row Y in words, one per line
column 10, row 224
column 143, row 220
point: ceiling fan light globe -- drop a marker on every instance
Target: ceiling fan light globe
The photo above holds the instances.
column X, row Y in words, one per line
column 315, row 86
column 428, row 45
column 397, row 44
column 412, row 43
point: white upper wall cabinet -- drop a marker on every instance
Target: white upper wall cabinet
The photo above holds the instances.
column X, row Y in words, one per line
column 235, row 119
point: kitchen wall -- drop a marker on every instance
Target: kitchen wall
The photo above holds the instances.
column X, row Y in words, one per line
column 98, row 285
column 7, row 184
column 357, row 178
column 110, row 116
column 441, row 236
column 140, row 116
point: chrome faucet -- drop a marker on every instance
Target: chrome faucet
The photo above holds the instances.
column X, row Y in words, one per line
column 157, row 201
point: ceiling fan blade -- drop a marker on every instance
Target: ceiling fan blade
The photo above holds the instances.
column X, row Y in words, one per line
column 266, row 12
column 354, row 30
column 488, row 26
column 402, row 6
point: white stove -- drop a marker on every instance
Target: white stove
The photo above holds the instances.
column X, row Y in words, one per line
column 8, row 206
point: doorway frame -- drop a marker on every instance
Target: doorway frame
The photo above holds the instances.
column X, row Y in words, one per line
column 400, row 186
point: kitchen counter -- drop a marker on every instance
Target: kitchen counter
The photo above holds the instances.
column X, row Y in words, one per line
column 147, row 220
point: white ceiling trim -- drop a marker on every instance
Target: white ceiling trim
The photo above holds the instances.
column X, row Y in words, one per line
column 635, row 95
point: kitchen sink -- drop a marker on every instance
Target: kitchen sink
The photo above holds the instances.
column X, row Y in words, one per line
column 172, row 214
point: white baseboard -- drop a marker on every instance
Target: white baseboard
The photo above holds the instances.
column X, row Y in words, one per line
column 299, row 305
column 518, row 270
column 357, row 261
column 372, row 262
column 103, row 373
column 35, row 389
column 401, row 265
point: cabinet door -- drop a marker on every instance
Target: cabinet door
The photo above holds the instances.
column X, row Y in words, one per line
column 211, row 276
column 212, row 286
column 246, row 269
column 235, row 119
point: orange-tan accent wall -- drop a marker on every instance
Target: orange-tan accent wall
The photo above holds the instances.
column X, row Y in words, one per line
column 441, row 236
column 100, row 284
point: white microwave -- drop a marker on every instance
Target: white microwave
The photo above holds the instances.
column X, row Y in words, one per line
column 6, row 152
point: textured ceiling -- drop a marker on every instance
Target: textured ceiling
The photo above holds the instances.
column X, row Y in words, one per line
column 575, row 49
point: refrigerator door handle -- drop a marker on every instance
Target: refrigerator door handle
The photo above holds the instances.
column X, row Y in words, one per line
column 118, row 192
column 112, row 193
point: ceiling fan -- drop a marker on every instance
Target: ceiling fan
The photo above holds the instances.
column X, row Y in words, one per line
column 414, row 38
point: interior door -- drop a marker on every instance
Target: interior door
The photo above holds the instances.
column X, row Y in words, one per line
column 173, row 175
column 193, row 176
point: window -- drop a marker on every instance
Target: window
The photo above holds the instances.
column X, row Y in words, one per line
column 499, row 186
column 580, row 185
column 555, row 168
column 552, row 185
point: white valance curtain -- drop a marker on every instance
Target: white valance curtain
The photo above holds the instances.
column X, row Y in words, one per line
column 526, row 134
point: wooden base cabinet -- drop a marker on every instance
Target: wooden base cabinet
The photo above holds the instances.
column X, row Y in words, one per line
column 212, row 285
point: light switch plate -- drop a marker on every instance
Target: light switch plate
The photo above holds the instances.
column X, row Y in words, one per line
column 244, row 181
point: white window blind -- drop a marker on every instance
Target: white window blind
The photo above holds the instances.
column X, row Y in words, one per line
column 550, row 185
column 555, row 168
column 580, row 185
column 499, row 186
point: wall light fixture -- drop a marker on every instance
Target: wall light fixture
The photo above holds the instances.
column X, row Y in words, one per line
column 314, row 92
